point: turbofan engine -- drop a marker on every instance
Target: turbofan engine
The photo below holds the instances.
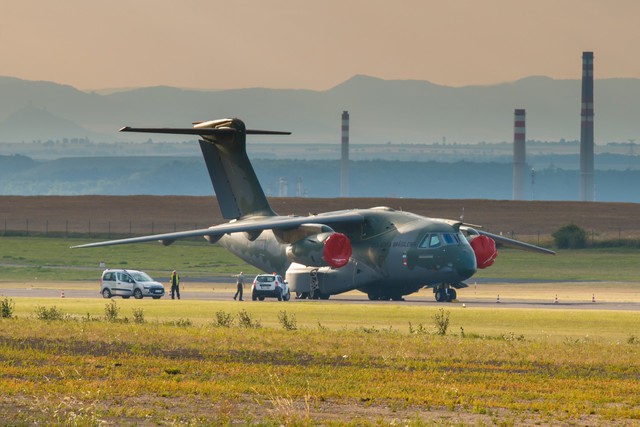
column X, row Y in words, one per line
column 321, row 250
column 485, row 249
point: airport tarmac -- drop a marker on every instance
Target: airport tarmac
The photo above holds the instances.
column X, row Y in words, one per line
column 500, row 295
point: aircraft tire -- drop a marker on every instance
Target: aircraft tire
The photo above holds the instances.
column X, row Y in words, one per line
column 441, row 296
column 453, row 295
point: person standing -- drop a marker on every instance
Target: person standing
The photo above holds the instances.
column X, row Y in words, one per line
column 175, row 285
column 240, row 286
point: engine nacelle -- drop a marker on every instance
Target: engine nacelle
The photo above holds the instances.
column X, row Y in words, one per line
column 321, row 250
column 485, row 249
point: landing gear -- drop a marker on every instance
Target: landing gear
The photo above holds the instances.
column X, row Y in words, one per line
column 377, row 296
column 314, row 288
column 444, row 293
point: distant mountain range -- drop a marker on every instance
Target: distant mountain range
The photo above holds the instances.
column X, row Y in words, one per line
column 381, row 111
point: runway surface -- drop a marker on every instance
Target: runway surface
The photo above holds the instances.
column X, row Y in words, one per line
column 223, row 291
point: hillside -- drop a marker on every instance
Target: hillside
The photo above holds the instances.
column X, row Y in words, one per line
column 381, row 110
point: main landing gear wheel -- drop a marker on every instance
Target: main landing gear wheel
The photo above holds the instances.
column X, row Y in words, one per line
column 445, row 293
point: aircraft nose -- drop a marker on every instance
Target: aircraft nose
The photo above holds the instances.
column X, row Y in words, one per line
column 467, row 266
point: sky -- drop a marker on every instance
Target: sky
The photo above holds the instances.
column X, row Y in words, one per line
column 298, row 44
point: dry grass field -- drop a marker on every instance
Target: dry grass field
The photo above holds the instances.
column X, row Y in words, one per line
column 144, row 214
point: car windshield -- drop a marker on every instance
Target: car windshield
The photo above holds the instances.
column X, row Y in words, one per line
column 140, row 276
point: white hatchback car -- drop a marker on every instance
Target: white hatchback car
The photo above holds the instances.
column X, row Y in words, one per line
column 270, row 285
column 125, row 283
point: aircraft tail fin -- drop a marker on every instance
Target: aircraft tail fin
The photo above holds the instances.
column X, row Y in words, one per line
column 223, row 145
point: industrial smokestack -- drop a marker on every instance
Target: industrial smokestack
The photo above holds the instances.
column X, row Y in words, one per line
column 587, row 185
column 344, row 159
column 519, row 155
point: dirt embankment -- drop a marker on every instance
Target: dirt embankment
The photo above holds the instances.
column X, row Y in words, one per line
column 144, row 214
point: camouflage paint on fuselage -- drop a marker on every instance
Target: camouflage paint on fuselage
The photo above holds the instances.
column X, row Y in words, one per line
column 386, row 244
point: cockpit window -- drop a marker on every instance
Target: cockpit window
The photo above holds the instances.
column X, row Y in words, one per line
column 434, row 240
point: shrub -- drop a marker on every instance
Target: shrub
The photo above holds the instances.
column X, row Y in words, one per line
column 419, row 330
column 246, row 321
column 441, row 320
column 48, row 314
column 6, row 308
column 570, row 237
column 224, row 319
column 111, row 311
column 138, row 315
column 287, row 322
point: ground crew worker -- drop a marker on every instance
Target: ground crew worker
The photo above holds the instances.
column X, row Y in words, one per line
column 175, row 284
column 240, row 286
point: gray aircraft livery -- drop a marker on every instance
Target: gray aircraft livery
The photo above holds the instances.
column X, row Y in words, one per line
column 384, row 253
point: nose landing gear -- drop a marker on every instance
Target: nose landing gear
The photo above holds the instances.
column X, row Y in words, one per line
column 444, row 292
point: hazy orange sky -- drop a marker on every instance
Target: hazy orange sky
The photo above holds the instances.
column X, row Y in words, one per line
column 312, row 44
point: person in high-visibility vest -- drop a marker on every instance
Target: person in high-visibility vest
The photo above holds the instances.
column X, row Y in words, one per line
column 175, row 285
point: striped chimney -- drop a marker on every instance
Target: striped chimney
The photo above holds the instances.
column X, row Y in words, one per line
column 344, row 159
column 519, row 155
column 587, row 184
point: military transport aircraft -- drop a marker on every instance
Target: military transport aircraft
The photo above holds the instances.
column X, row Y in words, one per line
column 384, row 253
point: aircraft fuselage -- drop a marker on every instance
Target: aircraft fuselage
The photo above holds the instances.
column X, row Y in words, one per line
column 394, row 253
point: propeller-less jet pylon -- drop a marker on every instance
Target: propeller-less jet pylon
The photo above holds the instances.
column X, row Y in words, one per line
column 384, row 253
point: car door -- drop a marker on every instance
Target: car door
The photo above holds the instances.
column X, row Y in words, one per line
column 124, row 285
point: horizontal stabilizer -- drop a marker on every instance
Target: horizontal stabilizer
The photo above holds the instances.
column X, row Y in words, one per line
column 202, row 131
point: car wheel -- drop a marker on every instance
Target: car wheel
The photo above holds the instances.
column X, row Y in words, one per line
column 287, row 296
column 137, row 294
column 261, row 298
column 106, row 293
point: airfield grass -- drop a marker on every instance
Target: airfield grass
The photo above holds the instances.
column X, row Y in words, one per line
column 166, row 362
column 42, row 257
column 367, row 365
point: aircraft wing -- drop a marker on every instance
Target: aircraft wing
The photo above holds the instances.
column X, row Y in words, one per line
column 512, row 243
column 249, row 225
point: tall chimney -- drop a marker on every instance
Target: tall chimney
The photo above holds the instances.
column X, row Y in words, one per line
column 587, row 185
column 519, row 155
column 344, row 159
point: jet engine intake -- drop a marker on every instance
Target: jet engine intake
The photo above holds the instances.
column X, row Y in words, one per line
column 321, row 250
column 485, row 249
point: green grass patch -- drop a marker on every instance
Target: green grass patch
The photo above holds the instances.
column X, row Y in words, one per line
column 26, row 258
column 363, row 364
column 608, row 264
